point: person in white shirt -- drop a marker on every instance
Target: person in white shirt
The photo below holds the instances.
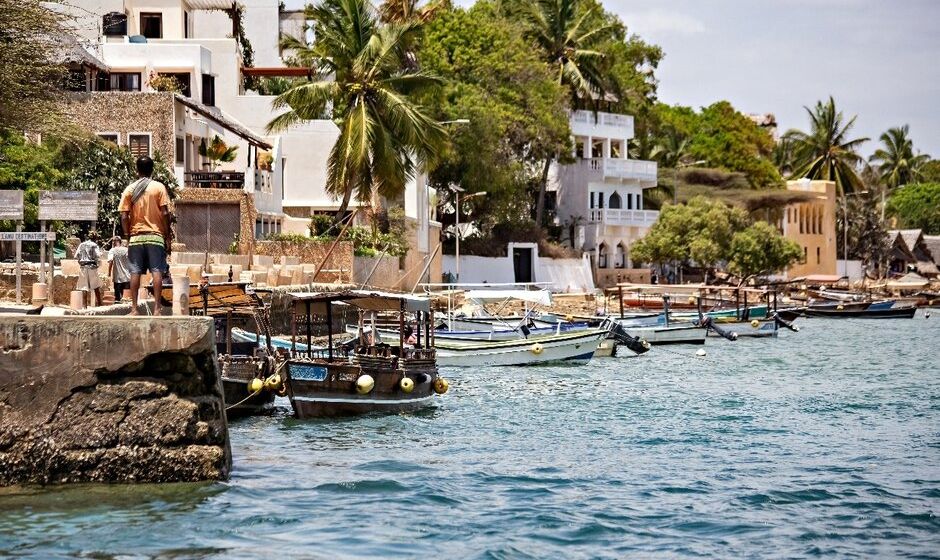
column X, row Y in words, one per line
column 87, row 256
column 119, row 267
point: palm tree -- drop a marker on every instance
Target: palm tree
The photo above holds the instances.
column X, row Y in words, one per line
column 383, row 135
column 670, row 152
column 567, row 35
column 217, row 151
column 896, row 160
column 825, row 152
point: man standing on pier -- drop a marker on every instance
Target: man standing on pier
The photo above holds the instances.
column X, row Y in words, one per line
column 145, row 219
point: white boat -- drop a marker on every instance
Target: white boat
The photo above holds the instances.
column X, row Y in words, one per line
column 754, row 328
column 671, row 334
column 572, row 347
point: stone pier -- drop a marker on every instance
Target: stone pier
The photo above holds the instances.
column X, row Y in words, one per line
column 110, row 399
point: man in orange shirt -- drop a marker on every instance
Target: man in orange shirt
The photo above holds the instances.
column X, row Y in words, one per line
column 145, row 219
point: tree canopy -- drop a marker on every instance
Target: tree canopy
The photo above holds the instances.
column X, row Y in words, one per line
column 896, row 161
column 917, row 206
column 759, row 250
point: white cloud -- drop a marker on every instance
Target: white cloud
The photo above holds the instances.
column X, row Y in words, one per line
column 654, row 22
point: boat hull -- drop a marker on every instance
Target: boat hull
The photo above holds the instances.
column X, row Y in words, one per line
column 570, row 348
column 237, row 373
column 673, row 334
column 319, row 389
column 891, row 313
column 743, row 329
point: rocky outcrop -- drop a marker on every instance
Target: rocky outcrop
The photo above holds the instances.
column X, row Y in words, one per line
column 110, row 399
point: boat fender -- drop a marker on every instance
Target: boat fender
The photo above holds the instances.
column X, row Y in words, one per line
column 569, row 318
column 406, row 384
column 536, row 349
column 273, row 383
column 700, row 352
column 255, row 385
column 365, row 384
column 691, row 300
column 441, row 385
column 927, row 315
column 840, row 307
column 755, row 323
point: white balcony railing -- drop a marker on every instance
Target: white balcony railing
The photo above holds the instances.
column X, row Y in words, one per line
column 601, row 125
column 624, row 168
column 620, row 217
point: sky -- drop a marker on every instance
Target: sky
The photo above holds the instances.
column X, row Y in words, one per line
column 879, row 59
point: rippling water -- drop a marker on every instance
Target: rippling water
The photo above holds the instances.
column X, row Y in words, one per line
column 823, row 442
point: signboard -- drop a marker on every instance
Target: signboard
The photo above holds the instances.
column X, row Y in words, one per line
column 27, row 236
column 76, row 206
column 11, row 205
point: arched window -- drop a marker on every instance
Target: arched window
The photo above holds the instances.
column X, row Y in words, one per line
column 629, row 201
column 615, row 201
column 620, row 257
column 602, row 256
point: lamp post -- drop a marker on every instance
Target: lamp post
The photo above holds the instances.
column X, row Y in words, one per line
column 457, row 190
column 845, row 230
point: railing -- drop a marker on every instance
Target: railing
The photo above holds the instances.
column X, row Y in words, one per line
column 602, row 119
column 620, row 217
column 625, row 168
column 263, row 181
column 214, row 180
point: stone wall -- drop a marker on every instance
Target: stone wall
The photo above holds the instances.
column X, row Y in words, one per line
column 313, row 252
column 105, row 399
column 386, row 276
column 124, row 113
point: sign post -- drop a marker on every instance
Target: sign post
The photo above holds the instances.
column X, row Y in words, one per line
column 73, row 206
column 11, row 208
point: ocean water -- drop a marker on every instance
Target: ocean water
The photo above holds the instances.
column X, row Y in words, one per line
column 824, row 442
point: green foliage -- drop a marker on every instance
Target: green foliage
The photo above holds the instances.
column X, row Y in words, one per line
column 930, row 171
column 515, row 106
column 217, row 151
column 369, row 242
column 31, row 33
column 760, row 249
column 720, row 136
column 826, row 152
column 897, row 163
column 320, row 225
column 917, row 206
column 867, row 237
column 162, row 82
column 699, row 231
column 27, row 167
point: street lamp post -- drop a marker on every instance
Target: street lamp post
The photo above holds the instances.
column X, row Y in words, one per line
column 457, row 190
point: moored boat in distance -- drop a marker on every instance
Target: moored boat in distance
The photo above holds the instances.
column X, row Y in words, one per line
column 365, row 375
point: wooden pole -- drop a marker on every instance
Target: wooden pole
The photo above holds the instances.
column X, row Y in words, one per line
column 378, row 261
column 19, row 264
column 42, row 254
column 329, row 331
column 228, row 332
column 620, row 297
column 309, row 334
column 293, row 329
column 426, row 267
column 401, row 328
column 333, row 246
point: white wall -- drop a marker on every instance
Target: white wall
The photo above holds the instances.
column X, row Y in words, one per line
column 564, row 275
column 854, row 271
column 262, row 28
column 477, row 270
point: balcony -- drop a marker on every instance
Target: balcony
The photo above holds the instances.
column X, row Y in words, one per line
column 620, row 217
column 624, row 169
column 214, row 180
column 601, row 125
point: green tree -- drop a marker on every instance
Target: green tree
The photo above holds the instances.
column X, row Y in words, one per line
column 217, row 151
column 516, row 109
column 28, row 167
column 383, row 134
column 759, row 250
column 930, row 171
column 895, row 160
column 917, row 206
column 867, row 237
column 826, row 152
column 33, row 48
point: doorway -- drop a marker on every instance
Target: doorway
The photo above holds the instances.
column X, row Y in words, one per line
column 522, row 264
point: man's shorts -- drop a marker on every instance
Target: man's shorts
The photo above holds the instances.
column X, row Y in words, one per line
column 147, row 253
column 88, row 279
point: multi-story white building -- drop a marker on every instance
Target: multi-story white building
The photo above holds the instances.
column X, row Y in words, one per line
column 193, row 41
column 599, row 198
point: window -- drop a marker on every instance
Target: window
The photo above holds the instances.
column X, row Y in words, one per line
column 818, row 256
column 629, row 201
column 592, row 200
column 151, row 25
column 600, row 200
column 76, row 80
column 183, row 79
column 180, row 150
column 805, row 252
column 125, row 81
column 615, row 201
column 208, row 90
column 602, row 256
column 104, row 81
column 109, row 137
column 185, row 25
column 139, row 144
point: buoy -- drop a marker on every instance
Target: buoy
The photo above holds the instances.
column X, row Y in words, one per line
column 406, row 384
column 755, row 323
column 927, row 315
column 536, row 349
column 441, row 385
column 364, row 384
column 272, row 383
column 840, row 307
column 691, row 300
column 569, row 318
column 645, row 343
column 255, row 385
column 700, row 352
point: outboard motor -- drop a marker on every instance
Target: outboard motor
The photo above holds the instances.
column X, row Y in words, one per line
column 784, row 323
column 710, row 324
column 634, row 343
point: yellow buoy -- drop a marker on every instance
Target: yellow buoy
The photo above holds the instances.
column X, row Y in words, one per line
column 755, row 323
column 536, row 349
column 272, row 383
column 255, row 385
column 364, row 384
column 691, row 300
column 569, row 318
column 441, row 385
column 840, row 307
column 407, row 384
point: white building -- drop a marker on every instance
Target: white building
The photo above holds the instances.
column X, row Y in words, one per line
column 599, row 198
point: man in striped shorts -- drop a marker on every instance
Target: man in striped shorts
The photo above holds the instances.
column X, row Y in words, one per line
column 145, row 219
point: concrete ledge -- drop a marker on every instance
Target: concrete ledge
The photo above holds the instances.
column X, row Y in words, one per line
column 110, row 399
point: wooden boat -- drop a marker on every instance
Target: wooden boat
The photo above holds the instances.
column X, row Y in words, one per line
column 366, row 376
column 755, row 328
column 669, row 334
column 906, row 312
column 250, row 378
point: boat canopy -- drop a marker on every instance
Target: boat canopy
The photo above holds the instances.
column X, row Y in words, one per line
column 219, row 298
column 539, row 297
column 363, row 299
